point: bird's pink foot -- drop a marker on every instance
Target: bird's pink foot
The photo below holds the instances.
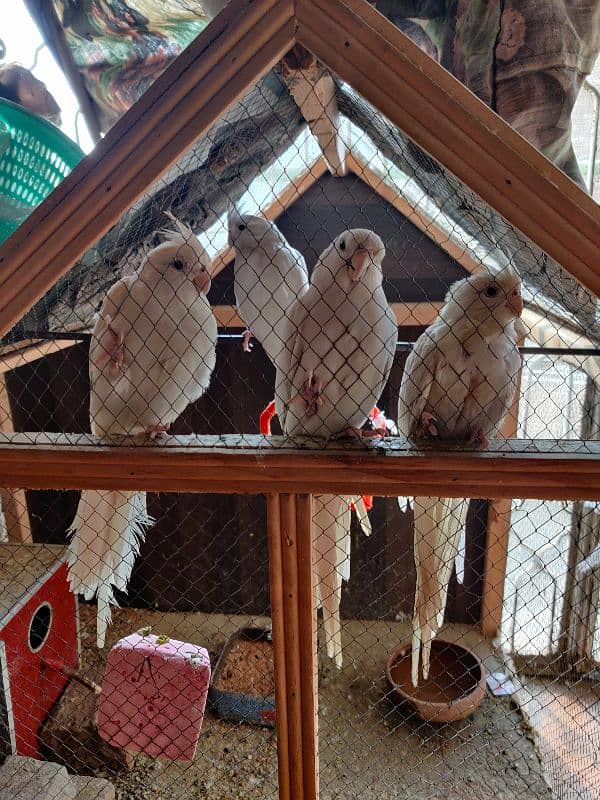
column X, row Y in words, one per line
column 311, row 390
column 246, row 346
column 112, row 350
column 156, row 431
column 478, row 437
column 428, row 424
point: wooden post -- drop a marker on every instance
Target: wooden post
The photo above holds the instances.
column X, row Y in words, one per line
column 12, row 501
column 498, row 533
column 293, row 613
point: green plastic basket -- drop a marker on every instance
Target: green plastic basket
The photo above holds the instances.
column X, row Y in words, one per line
column 35, row 156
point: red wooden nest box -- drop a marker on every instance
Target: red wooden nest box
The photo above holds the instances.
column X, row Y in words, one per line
column 38, row 624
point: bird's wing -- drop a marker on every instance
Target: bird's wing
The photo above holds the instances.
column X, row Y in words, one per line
column 419, row 374
column 107, row 344
column 385, row 359
column 417, row 380
column 266, row 291
column 287, row 368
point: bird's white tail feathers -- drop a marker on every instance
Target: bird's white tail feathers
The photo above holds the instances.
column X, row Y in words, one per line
column 438, row 525
column 105, row 538
column 331, row 519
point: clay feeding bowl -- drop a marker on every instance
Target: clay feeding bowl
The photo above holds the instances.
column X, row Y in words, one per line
column 454, row 688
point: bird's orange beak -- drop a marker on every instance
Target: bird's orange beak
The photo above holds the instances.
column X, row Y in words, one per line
column 515, row 302
column 202, row 281
column 358, row 263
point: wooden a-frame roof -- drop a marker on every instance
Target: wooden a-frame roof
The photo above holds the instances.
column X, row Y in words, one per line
column 367, row 52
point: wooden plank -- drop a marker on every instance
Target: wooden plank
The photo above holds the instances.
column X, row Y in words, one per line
column 520, row 468
column 13, row 502
column 307, row 634
column 496, row 549
column 457, row 129
column 240, row 45
column 278, row 624
column 12, row 358
column 289, row 560
column 406, row 314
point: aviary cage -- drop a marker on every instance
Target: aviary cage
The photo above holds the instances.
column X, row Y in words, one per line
column 320, row 116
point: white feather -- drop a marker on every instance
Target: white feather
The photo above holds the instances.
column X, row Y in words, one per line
column 152, row 353
column 270, row 277
column 462, row 373
column 345, row 338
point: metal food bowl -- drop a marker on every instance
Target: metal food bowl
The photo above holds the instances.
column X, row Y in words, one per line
column 454, row 688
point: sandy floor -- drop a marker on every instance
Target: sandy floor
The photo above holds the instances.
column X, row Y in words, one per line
column 370, row 747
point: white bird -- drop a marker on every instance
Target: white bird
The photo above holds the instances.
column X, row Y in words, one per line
column 458, row 384
column 152, row 353
column 342, row 355
column 269, row 277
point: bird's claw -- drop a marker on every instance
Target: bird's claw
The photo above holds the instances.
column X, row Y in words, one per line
column 156, row 431
column 246, row 346
column 428, row 424
column 477, row 436
column 311, row 391
column 359, row 433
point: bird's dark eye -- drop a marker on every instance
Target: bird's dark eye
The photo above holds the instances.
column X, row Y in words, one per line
column 178, row 264
column 491, row 291
column 342, row 245
column 241, row 227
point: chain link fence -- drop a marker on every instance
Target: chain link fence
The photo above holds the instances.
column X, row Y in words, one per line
column 388, row 300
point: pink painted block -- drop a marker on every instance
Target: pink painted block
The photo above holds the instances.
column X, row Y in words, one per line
column 153, row 696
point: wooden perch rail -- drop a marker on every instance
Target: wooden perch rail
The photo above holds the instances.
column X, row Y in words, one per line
column 234, row 464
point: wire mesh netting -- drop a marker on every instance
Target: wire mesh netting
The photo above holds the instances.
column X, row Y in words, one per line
column 388, row 301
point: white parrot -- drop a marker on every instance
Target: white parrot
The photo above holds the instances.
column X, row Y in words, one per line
column 152, row 353
column 270, row 276
column 458, row 384
column 342, row 354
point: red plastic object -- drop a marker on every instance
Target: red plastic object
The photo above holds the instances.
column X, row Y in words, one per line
column 153, row 696
column 42, row 624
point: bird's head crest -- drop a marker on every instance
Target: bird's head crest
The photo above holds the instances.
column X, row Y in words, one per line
column 182, row 252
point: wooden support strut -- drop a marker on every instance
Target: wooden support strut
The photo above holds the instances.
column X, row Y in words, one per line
column 13, row 503
column 498, row 532
column 289, row 529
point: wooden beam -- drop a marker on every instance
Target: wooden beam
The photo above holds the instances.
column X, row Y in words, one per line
column 251, row 464
column 289, row 529
column 13, row 503
column 456, row 128
column 239, row 45
column 313, row 89
column 406, row 314
column 307, row 634
column 278, row 622
column 418, row 218
column 26, row 352
column 498, row 535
